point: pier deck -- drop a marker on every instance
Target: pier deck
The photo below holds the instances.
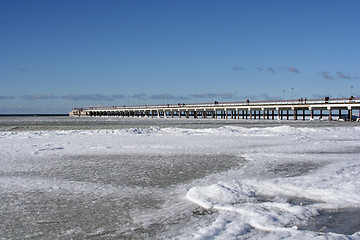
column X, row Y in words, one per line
column 314, row 109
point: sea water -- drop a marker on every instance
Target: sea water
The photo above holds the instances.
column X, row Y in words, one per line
column 145, row 178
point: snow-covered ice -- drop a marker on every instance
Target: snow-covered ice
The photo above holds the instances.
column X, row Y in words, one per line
column 221, row 182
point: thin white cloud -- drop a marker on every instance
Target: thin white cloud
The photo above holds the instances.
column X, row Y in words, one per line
column 22, row 69
column 292, row 69
column 214, row 96
column 339, row 75
column 238, row 68
column 93, row 97
column 6, row 97
column 167, row 96
column 270, row 69
column 140, row 96
column 342, row 75
column 38, row 97
column 327, row 75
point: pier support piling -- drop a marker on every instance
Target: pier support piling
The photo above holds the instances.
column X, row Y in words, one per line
column 350, row 114
column 303, row 115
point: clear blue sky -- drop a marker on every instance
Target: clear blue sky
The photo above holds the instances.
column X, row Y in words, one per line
column 56, row 55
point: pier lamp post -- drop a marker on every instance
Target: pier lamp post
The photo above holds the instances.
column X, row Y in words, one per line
column 351, row 91
column 292, row 95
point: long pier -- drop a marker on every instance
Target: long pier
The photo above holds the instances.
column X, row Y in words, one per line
column 328, row 109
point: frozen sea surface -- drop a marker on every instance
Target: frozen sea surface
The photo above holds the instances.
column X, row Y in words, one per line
column 42, row 123
column 119, row 178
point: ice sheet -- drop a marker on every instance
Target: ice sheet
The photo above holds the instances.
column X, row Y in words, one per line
column 189, row 183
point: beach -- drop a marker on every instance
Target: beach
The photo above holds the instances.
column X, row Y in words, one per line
column 145, row 178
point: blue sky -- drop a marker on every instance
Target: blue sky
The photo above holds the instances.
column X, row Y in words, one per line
column 56, row 55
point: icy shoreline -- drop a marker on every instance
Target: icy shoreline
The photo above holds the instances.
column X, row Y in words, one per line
column 271, row 182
